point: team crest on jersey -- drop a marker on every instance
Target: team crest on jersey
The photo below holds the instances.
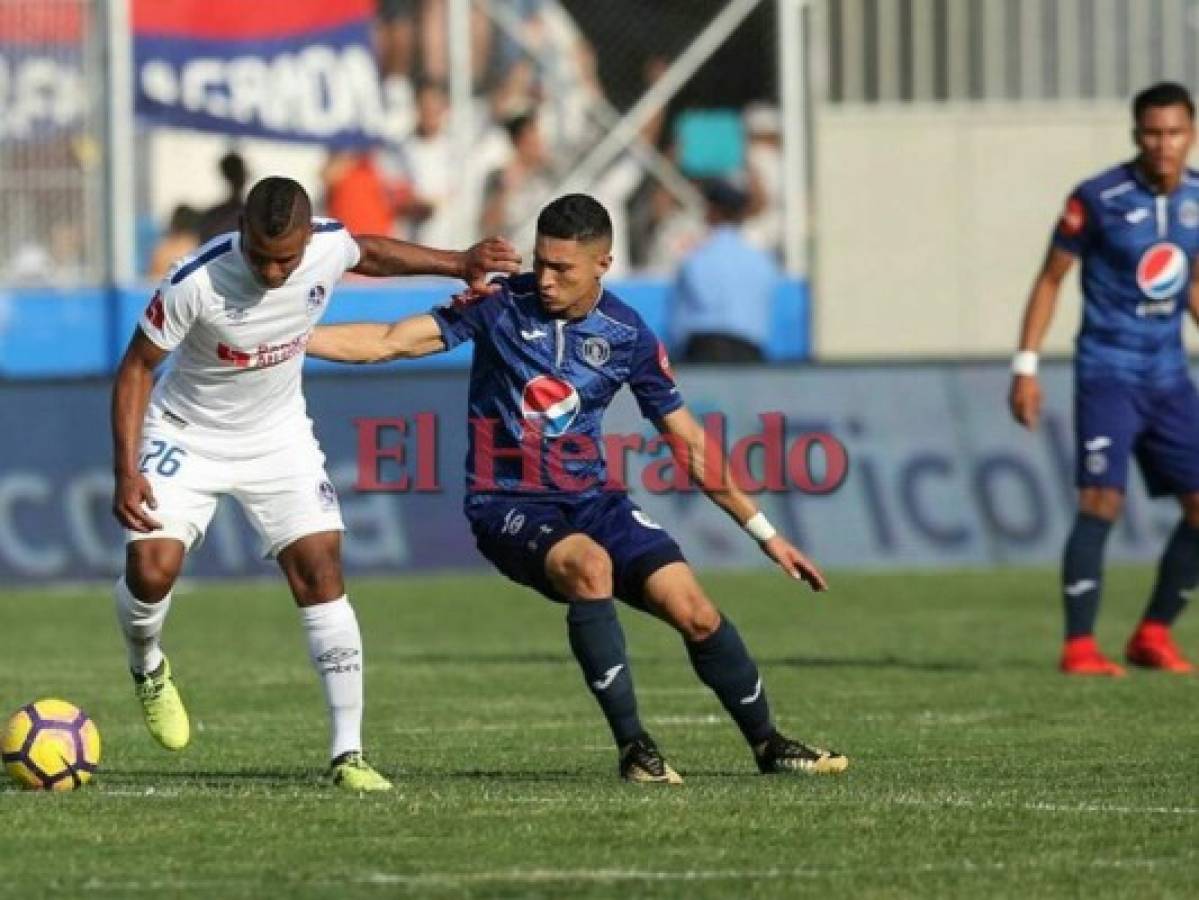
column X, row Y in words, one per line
column 1162, row 271
column 596, row 351
column 550, row 404
column 1188, row 213
column 317, row 297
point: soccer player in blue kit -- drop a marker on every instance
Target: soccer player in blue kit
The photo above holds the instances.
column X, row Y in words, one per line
column 552, row 348
column 1135, row 227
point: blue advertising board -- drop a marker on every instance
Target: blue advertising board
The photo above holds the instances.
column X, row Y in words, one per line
column 939, row 476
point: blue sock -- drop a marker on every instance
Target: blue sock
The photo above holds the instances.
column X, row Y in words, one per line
column 598, row 644
column 723, row 664
column 1082, row 573
column 1177, row 574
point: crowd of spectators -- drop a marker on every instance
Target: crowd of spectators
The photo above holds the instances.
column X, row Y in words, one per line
column 538, row 110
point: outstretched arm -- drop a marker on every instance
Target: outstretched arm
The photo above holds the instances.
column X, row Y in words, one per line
column 382, row 257
column 710, row 470
column 1025, row 396
column 368, row 342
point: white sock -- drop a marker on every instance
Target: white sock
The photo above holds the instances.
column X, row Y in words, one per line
column 141, row 623
column 335, row 646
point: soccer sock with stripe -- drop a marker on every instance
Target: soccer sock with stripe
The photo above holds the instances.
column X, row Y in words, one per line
column 724, row 665
column 335, row 646
column 141, row 625
column 597, row 641
column 1082, row 573
column 1177, row 574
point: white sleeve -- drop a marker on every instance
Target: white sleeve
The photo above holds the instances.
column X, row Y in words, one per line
column 351, row 252
column 170, row 313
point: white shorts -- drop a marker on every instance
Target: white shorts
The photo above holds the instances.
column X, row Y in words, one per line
column 285, row 493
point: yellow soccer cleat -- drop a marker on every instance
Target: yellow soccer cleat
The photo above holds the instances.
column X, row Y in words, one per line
column 641, row 762
column 353, row 773
column 162, row 707
column 779, row 755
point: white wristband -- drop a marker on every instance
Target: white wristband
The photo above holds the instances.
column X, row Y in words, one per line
column 759, row 528
column 1025, row 362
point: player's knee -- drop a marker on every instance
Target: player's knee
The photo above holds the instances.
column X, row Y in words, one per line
column 317, row 581
column 699, row 618
column 589, row 574
column 150, row 574
column 1103, row 503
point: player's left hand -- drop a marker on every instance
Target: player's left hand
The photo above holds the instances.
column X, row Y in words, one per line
column 493, row 254
column 794, row 563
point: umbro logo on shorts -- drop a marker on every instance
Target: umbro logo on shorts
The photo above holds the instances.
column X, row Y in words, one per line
column 336, row 655
column 327, row 495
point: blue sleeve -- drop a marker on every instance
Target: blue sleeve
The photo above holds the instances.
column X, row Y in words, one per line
column 1074, row 228
column 468, row 321
column 651, row 379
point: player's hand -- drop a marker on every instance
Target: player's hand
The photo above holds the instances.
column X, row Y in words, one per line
column 132, row 497
column 493, row 254
column 1025, row 400
column 794, row 563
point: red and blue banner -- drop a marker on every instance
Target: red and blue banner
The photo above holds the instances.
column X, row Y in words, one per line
column 43, row 93
column 300, row 70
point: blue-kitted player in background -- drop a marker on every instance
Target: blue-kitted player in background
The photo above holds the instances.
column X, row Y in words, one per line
column 552, row 348
column 1135, row 227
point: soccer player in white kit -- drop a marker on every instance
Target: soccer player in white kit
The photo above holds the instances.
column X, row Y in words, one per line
column 229, row 418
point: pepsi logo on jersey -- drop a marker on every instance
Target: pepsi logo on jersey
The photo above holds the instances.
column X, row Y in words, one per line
column 1162, row 271
column 549, row 403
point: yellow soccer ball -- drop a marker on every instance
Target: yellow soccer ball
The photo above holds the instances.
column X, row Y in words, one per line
column 50, row 745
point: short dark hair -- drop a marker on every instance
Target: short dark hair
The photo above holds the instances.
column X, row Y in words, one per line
column 276, row 206
column 575, row 217
column 1164, row 93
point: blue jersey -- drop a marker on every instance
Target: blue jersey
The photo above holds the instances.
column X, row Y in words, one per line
column 1136, row 248
column 546, row 382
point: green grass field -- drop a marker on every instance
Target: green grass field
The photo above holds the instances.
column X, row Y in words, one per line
column 977, row 770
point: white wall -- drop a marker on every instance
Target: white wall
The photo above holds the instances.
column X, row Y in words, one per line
column 932, row 220
column 183, row 166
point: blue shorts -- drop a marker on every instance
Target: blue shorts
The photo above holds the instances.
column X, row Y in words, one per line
column 516, row 534
column 1160, row 426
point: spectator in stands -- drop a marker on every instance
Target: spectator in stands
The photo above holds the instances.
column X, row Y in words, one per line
column 436, row 178
column 181, row 238
column 764, row 165
column 514, row 193
column 225, row 215
column 724, row 291
column 395, row 30
column 356, row 194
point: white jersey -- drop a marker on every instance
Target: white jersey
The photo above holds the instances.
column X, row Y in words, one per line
column 238, row 348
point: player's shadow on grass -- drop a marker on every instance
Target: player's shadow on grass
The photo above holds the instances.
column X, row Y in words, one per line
column 886, row 661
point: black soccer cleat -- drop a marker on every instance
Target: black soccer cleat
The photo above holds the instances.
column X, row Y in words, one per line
column 641, row 762
column 779, row 755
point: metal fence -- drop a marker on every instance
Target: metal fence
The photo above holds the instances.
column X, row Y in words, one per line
column 51, row 158
column 881, row 51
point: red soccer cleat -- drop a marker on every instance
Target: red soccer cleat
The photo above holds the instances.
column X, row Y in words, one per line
column 1081, row 656
column 1153, row 648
